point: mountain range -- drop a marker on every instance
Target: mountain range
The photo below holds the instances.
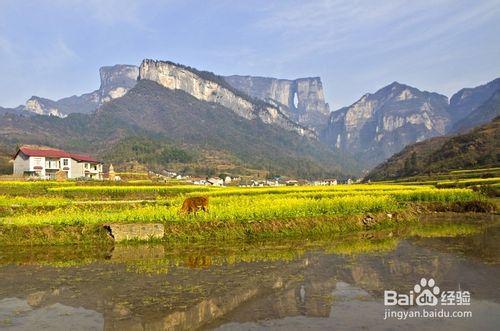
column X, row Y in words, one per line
column 188, row 120
column 241, row 123
column 465, row 102
column 380, row 124
column 477, row 148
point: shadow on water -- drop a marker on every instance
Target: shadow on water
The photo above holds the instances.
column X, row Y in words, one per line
column 334, row 282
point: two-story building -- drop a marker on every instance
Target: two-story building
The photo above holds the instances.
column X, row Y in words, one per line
column 45, row 162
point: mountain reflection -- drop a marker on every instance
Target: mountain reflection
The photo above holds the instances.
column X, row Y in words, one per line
column 168, row 287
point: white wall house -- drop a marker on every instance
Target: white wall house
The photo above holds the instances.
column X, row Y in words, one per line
column 215, row 181
column 324, row 182
column 44, row 162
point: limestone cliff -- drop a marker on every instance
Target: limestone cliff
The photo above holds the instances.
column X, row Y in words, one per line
column 302, row 100
column 42, row 106
column 209, row 87
column 115, row 82
column 381, row 124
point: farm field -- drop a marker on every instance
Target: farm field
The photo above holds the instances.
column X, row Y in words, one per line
column 487, row 174
column 27, row 209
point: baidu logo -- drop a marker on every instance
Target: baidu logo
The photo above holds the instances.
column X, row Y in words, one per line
column 426, row 293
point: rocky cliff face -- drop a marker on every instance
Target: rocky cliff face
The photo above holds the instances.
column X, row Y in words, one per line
column 381, row 124
column 209, row 87
column 115, row 82
column 42, row 106
column 302, row 100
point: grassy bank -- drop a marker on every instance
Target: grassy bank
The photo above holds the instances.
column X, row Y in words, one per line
column 159, row 257
column 51, row 212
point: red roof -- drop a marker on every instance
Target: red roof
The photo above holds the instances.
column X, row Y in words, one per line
column 43, row 152
column 84, row 157
column 53, row 152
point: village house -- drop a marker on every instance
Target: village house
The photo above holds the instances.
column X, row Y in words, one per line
column 199, row 181
column 215, row 181
column 258, row 183
column 46, row 162
column 273, row 182
column 324, row 182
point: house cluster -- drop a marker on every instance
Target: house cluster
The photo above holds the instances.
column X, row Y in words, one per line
column 174, row 175
column 289, row 182
column 208, row 181
column 51, row 163
column 324, row 182
column 215, row 181
column 237, row 181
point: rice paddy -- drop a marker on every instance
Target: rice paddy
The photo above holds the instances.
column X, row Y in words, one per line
column 234, row 212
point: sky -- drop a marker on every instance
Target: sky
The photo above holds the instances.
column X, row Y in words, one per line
column 54, row 48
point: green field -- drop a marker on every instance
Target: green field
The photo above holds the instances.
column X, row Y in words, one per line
column 468, row 182
column 234, row 212
column 486, row 180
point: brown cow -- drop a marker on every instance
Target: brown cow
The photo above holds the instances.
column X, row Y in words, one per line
column 193, row 204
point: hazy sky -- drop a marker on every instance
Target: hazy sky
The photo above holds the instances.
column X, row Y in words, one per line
column 54, row 48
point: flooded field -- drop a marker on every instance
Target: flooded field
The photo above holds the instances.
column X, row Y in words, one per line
column 325, row 283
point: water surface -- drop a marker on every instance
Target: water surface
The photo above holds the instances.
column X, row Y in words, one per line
column 331, row 283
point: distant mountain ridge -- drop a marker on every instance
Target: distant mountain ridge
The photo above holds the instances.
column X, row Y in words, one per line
column 479, row 147
column 380, row 124
column 467, row 100
column 115, row 82
column 370, row 130
column 206, row 136
column 209, row 87
column 482, row 114
column 311, row 111
column 16, row 111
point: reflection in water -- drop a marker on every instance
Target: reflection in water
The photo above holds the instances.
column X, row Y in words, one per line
column 332, row 283
column 17, row 314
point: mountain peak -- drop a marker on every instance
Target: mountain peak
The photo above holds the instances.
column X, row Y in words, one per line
column 380, row 124
column 209, row 87
column 116, row 80
column 301, row 99
column 396, row 84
